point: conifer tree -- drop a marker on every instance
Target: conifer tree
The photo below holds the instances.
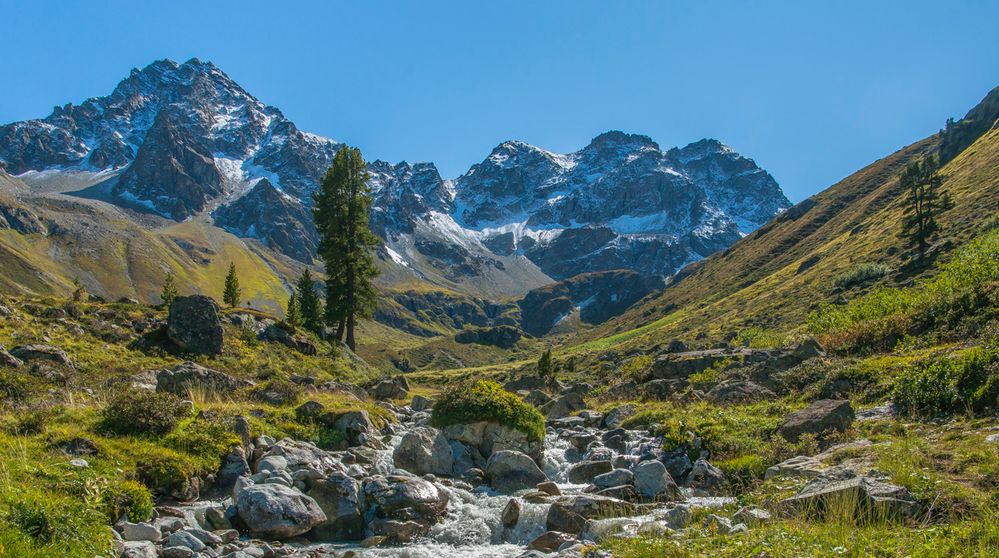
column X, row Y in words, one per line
column 310, row 307
column 547, row 369
column 921, row 182
column 342, row 207
column 293, row 316
column 232, row 293
column 169, row 291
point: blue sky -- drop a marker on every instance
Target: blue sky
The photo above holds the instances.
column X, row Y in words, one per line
column 812, row 91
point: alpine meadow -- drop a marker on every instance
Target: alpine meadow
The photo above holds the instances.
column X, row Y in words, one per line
column 222, row 336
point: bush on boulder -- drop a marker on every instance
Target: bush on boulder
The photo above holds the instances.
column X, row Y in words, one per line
column 487, row 401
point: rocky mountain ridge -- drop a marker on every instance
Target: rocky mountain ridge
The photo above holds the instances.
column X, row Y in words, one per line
column 180, row 140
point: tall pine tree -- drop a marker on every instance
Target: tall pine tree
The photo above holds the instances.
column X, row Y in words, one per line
column 232, row 293
column 310, row 307
column 921, row 184
column 342, row 207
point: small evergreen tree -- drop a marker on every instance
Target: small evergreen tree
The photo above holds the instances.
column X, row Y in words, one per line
column 293, row 316
column 78, row 290
column 169, row 291
column 310, row 307
column 547, row 369
column 232, row 292
column 921, row 182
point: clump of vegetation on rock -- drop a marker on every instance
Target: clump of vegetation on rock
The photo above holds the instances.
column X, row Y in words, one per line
column 487, row 401
column 138, row 412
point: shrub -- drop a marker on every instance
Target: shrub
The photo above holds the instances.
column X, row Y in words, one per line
column 963, row 287
column 65, row 527
column 166, row 473
column 130, row 498
column 952, row 384
column 208, row 440
column 487, row 401
column 860, row 274
column 33, row 421
column 13, row 387
column 278, row 391
column 143, row 413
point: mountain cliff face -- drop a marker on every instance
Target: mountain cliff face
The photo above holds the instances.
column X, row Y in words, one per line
column 181, row 140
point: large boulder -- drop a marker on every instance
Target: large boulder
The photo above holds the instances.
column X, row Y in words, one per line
column 869, row 498
column 184, row 378
column 276, row 511
column 48, row 353
column 356, row 427
column 424, row 450
column 705, row 479
column 341, row 499
column 818, row 418
column 194, row 325
column 298, row 455
column 563, row 406
column 488, row 437
column 510, row 471
column 9, row 360
column 738, row 391
column 654, row 482
column 405, row 497
column 276, row 333
column 585, row 471
column 396, row 387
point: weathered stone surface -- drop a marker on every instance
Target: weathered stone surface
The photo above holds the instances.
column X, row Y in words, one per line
column 424, row 450
column 140, row 532
column 39, row 352
column 276, row 511
column 563, row 406
column 406, row 497
column 275, row 333
column 510, row 471
column 511, row 513
column 184, row 378
column 869, row 497
column 396, row 387
column 139, row 549
column 356, row 427
column 798, row 466
column 584, row 471
column 550, row 541
column 562, row 518
column 738, row 391
column 706, row 479
column 615, row 477
column 818, row 418
column 9, row 360
column 194, row 325
column 654, row 482
column 752, row 516
column 341, row 499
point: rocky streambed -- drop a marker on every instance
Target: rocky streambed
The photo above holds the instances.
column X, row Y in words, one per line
column 481, row 489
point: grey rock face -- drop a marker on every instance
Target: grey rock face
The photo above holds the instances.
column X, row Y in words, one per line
column 405, row 497
column 654, row 482
column 187, row 376
column 194, row 325
column 280, row 221
column 273, row 510
column 704, row 478
column 869, row 497
column 510, row 471
column 424, row 450
column 585, row 471
column 48, row 353
column 342, row 501
column 819, row 417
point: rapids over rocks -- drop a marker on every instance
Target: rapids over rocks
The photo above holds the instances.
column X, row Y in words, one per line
column 479, row 493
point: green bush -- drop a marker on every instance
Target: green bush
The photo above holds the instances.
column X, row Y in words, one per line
column 964, row 286
column 130, row 498
column 206, row 439
column 860, row 274
column 53, row 526
column 166, row 473
column 13, row 387
column 487, row 401
column 279, row 391
column 141, row 412
column 952, row 384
